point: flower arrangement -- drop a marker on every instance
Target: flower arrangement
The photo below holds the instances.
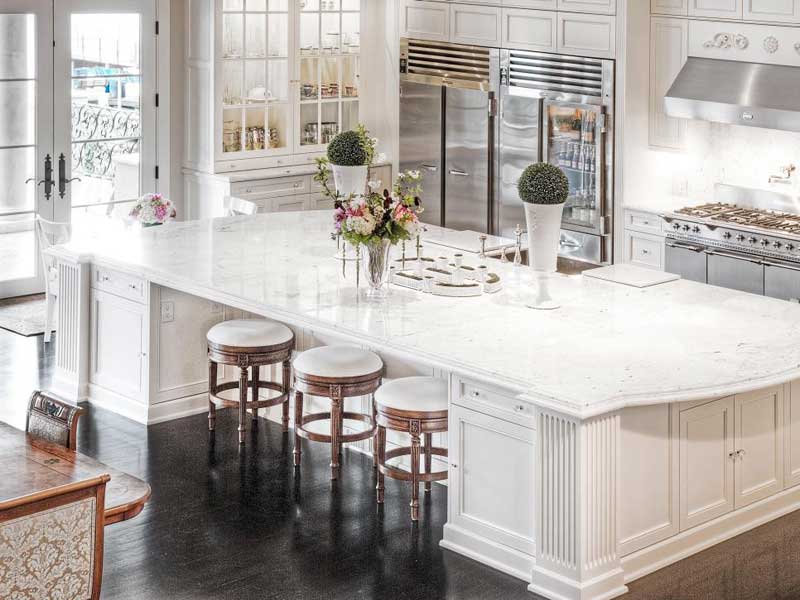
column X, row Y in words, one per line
column 381, row 216
column 543, row 183
column 153, row 209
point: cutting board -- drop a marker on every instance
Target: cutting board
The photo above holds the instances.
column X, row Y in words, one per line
column 637, row 277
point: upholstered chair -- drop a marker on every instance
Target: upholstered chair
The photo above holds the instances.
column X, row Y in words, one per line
column 53, row 420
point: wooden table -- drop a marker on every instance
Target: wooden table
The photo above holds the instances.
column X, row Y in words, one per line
column 29, row 465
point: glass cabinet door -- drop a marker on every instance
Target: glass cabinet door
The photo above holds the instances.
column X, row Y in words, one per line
column 253, row 61
column 574, row 143
column 328, row 64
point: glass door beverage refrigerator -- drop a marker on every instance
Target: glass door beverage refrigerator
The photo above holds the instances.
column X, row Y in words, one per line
column 558, row 109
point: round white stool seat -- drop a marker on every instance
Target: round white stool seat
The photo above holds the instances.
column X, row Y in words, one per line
column 249, row 333
column 413, row 394
column 337, row 362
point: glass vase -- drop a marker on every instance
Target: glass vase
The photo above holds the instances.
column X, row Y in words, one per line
column 375, row 261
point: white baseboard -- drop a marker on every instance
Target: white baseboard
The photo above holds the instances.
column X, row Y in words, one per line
column 558, row 587
column 113, row 402
column 664, row 553
column 498, row 556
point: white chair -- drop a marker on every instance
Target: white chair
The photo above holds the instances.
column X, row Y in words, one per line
column 49, row 234
column 235, row 207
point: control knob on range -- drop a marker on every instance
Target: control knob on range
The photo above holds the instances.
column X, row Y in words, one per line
column 727, row 235
column 776, row 244
column 676, row 226
column 752, row 240
column 790, row 247
column 685, row 228
column 764, row 242
column 695, row 229
column 740, row 238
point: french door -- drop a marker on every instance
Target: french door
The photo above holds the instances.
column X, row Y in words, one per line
column 77, row 120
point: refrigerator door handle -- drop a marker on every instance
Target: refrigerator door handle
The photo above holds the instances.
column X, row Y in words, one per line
column 431, row 168
column 457, row 173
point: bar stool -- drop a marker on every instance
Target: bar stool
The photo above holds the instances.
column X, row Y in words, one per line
column 248, row 343
column 417, row 406
column 334, row 372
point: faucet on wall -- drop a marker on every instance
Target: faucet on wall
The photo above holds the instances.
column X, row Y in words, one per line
column 786, row 176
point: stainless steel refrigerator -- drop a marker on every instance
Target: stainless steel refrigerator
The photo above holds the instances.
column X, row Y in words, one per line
column 448, row 129
column 558, row 109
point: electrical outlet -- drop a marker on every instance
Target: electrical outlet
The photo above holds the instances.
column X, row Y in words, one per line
column 216, row 308
column 167, row 312
column 680, row 186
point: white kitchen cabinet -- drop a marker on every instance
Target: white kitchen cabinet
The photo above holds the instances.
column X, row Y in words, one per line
column 759, row 445
column 532, row 4
column 288, row 204
column 474, row 24
column 586, row 35
column 669, row 7
column 644, row 250
column 706, row 464
column 425, row 20
column 791, row 434
column 720, row 9
column 491, row 478
column 668, row 53
column 779, row 11
column 589, row 6
column 529, row 29
column 118, row 345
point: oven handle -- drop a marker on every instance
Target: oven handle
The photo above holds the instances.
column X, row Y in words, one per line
column 735, row 256
column 781, row 266
column 685, row 246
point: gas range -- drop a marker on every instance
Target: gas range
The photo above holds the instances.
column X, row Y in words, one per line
column 756, row 231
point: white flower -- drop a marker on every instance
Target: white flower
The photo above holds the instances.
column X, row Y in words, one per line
column 413, row 174
column 363, row 225
column 381, row 158
column 375, row 185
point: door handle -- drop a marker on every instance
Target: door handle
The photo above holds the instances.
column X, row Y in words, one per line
column 62, row 178
column 743, row 257
column 48, row 178
column 431, row 168
column 457, row 173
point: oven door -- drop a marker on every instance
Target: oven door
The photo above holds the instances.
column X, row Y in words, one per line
column 735, row 271
column 782, row 280
column 685, row 259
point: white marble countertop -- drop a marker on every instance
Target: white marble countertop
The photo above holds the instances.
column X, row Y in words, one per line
column 608, row 346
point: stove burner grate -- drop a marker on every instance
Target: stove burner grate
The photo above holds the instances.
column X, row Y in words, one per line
column 751, row 217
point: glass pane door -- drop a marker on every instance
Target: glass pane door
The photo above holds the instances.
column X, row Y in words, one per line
column 25, row 140
column 105, row 107
column 574, row 143
column 330, row 43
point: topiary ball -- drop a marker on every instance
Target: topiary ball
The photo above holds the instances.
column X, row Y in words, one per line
column 345, row 150
column 543, row 183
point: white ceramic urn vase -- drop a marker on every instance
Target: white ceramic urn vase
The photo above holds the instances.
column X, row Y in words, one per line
column 350, row 180
column 544, row 235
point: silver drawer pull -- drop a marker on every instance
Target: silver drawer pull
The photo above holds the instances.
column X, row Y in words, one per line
column 645, row 252
column 457, row 173
column 475, row 394
column 519, row 407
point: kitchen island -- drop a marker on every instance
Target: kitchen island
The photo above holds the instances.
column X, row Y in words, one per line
column 588, row 446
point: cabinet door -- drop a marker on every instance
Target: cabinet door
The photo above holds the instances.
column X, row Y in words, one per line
column 473, row 24
column 669, row 42
column 759, row 445
column 644, row 250
column 491, row 488
column 780, row 11
column 723, row 9
column 589, row 6
column 669, row 7
column 535, row 4
column 289, row 204
column 117, row 346
column 586, row 35
column 706, row 462
column 425, row 20
column 791, row 434
column 529, row 29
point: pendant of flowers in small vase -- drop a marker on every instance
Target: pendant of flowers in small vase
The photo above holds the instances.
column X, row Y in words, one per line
column 152, row 209
column 543, row 189
column 350, row 155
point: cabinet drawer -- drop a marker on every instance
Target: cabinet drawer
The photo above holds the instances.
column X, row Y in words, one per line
column 318, row 202
column 535, row 4
column 480, row 398
column 723, row 9
column 425, row 20
column 473, row 24
column 586, row 35
column 270, row 188
column 529, row 29
column 121, row 284
column 669, row 7
column 589, row 6
column 644, row 250
column 289, row 204
column 778, row 11
column 642, row 221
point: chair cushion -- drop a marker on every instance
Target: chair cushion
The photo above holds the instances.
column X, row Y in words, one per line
column 338, row 361
column 417, row 394
column 249, row 333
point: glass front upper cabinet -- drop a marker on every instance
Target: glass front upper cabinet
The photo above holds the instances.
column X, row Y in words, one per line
column 287, row 75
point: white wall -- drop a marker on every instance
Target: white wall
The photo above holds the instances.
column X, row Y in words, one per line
column 177, row 103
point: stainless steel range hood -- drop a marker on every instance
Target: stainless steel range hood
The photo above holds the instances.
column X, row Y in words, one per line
column 724, row 91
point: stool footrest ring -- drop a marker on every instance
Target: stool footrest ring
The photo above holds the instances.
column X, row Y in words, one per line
column 345, row 438
column 402, row 475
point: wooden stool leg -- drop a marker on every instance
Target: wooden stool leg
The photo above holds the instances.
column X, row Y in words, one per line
column 254, row 386
column 415, row 472
column 242, row 403
column 336, row 409
column 286, row 381
column 380, row 445
column 212, row 389
column 298, row 423
column 375, row 440
column 428, row 458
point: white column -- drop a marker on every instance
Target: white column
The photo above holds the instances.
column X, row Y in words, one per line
column 577, row 555
column 71, row 379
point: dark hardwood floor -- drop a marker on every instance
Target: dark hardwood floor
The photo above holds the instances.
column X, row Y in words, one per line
column 225, row 523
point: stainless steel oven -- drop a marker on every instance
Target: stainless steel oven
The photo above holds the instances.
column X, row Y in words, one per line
column 782, row 280
column 735, row 270
column 686, row 259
